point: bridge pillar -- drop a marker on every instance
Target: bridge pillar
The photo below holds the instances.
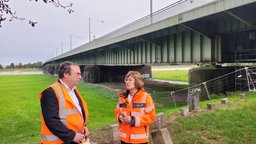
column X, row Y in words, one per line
column 56, row 68
column 45, row 69
column 91, row 74
column 52, row 70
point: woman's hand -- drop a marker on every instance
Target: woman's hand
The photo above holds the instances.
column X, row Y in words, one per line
column 127, row 119
column 121, row 118
column 124, row 119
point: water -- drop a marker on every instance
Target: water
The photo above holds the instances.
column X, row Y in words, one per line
column 19, row 73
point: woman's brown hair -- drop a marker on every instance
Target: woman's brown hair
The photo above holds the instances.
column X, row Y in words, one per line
column 137, row 78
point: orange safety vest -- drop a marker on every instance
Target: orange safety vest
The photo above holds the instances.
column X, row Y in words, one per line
column 142, row 108
column 68, row 113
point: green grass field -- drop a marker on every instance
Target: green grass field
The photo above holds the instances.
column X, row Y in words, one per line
column 20, row 114
column 173, row 75
column 231, row 123
column 20, row 106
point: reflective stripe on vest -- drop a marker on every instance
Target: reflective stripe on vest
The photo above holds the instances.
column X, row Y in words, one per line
column 142, row 110
column 140, row 105
column 49, row 138
column 134, row 105
column 62, row 113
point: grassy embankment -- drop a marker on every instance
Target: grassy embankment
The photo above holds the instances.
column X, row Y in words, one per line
column 20, row 110
column 232, row 123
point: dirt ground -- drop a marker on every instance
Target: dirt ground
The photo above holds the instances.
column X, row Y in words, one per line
column 102, row 135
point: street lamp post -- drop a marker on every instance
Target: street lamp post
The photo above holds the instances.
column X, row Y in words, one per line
column 151, row 11
column 70, row 41
column 71, row 37
column 89, row 29
column 90, row 33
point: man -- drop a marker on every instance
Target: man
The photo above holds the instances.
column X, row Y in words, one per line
column 64, row 112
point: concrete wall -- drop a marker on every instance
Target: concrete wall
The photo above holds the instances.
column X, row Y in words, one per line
column 217, row 80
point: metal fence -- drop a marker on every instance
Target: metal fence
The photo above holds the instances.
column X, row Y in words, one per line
column 240, row 80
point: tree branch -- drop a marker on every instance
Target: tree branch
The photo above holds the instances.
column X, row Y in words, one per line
column 6, row 10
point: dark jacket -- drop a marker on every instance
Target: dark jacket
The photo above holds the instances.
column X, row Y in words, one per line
column 50, row 110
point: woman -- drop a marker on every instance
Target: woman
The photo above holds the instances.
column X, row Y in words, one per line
column 135, row 111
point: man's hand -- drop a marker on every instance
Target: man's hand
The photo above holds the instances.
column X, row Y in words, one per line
column 86, row 132
column 79, row 137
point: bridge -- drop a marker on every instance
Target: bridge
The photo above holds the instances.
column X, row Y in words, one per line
column 185, row 32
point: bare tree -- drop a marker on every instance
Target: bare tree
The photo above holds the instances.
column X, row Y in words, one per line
column 5, row 10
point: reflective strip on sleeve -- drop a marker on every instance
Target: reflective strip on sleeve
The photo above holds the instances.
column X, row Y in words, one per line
column 148, row 109
column 151, row 107
column 122, row 134
column 139, row 136
column 117, row 107
column 141, row 113
column 144, row 98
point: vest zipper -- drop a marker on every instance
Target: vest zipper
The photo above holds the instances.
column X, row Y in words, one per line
column 146, row 130
column 130, row 127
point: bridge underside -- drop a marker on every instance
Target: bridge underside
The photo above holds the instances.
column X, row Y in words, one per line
column 103, row 73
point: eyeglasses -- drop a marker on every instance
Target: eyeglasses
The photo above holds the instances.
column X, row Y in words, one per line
column 78, row 73
column 129, row 80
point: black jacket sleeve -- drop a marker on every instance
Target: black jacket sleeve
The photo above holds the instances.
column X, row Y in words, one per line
column 50, row 111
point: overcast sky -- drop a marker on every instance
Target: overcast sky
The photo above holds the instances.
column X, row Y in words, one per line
column 58, row 31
